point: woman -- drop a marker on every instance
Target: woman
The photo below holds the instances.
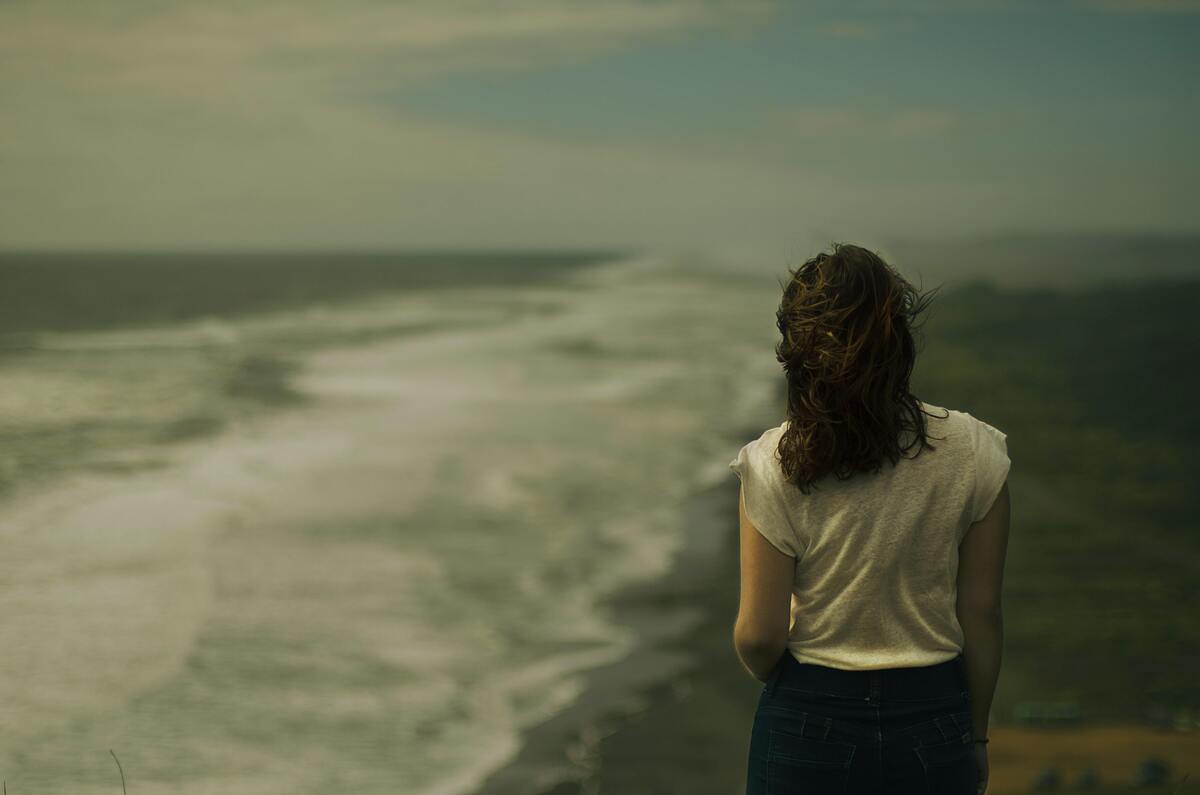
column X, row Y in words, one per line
column 874, row 528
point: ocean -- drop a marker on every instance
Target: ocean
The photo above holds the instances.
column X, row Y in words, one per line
column 359, row 544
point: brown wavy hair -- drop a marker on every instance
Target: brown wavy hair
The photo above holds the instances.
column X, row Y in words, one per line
column 847, row 319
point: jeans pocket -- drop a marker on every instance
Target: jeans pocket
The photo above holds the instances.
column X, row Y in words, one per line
column 951, row 725
column 943, row 745
column 797, row 763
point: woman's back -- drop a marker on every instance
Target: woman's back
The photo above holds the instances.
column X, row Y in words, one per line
column 877, row 555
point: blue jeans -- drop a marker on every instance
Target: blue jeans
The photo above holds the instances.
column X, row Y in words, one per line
column 828, row 731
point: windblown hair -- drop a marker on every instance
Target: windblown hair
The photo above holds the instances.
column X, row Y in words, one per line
column 847, row 320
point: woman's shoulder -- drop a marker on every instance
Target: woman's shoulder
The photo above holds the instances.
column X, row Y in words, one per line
column 936, row 413
column 760, row 452
column 765, row 442
column 971, row 427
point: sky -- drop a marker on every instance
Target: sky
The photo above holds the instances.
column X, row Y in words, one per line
column 685, row 124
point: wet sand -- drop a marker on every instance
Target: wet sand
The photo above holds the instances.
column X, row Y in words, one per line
column 676, row 715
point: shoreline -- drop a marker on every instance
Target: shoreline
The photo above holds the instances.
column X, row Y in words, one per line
column 675, row 714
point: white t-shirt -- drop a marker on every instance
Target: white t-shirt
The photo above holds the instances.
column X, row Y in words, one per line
column 877, row 555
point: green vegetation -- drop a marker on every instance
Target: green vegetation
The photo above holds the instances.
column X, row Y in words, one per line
column 1097, row 392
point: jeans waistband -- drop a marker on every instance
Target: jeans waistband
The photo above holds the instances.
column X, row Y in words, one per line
column 941, row 680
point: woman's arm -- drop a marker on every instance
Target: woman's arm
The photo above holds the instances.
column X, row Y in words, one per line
column 760, row 632
column 980, row 578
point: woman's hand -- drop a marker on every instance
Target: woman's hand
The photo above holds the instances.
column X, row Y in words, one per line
column 981, row 764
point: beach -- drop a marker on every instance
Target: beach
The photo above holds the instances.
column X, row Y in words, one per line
column 675, row 715
column 329, row 546
column 439, row 540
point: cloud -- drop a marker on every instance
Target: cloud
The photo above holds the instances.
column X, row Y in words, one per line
column 248, row 123
column 338, row 178
column 843, row 122
column 849, row 29
column 864, row 30
column 1144, row 6
column 113, row 107
column 920, row 123
column 145, row 123
column 230, row 69
column 113, row 43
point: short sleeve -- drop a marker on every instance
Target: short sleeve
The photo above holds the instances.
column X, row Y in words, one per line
column 765, row 504
column 991, row 467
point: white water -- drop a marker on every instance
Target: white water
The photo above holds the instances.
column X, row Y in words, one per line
column 376, row 591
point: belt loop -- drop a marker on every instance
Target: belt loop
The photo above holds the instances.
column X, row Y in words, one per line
column 874, row 686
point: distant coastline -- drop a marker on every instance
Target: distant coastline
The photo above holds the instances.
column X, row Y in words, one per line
column 1068, row 261
column 73, row 290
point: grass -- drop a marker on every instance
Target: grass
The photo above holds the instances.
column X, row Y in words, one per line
column 1097, row 397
